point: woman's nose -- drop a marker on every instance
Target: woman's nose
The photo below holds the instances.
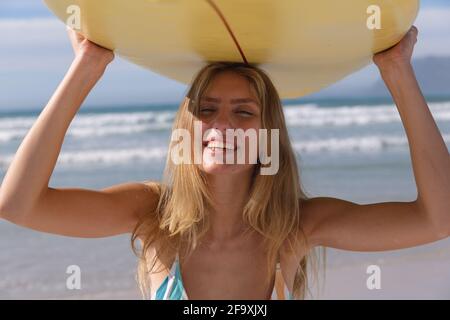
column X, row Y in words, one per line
column 221, row 122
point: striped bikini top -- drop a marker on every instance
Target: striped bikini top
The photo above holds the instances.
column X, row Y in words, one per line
column 172, row 286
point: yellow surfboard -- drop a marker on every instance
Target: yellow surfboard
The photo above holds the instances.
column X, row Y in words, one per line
column 304, row 45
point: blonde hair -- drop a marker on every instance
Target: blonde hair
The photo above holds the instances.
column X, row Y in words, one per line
column 273, row 207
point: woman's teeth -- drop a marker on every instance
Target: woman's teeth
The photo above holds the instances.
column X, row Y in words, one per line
column 219, row 145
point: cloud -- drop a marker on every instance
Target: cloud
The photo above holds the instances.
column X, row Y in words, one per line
column 36, row 52
column 434, row 32
column 35, row 30
column 23, row 8
column 32, row 44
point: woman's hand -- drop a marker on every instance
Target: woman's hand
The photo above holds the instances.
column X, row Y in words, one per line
column 89, row 52
column 398, row 55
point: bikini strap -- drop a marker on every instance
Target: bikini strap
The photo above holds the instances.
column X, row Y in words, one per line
column 174, row 266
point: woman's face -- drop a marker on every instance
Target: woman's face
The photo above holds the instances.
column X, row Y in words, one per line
column 229, row 103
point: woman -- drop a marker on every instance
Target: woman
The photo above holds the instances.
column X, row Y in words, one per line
column 219, row 231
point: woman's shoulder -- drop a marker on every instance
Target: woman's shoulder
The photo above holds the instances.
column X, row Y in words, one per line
column 145, row 195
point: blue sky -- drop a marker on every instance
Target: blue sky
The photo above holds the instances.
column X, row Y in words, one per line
column 35, row 54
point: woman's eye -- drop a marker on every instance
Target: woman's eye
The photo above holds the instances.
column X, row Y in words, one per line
column 247, row 113
column 206, row 110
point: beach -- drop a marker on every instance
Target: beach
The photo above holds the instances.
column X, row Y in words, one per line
column 354, row 150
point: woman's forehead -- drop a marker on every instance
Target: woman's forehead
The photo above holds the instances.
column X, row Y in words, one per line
column 230, row 81
column 231, row 93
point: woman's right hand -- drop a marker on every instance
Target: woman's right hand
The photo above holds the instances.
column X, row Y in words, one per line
column 88, row 51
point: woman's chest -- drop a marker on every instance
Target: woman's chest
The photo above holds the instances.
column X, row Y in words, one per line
column 227, row 273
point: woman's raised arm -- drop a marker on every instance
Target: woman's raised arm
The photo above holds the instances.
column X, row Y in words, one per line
column 25, row 196
column 394, row 225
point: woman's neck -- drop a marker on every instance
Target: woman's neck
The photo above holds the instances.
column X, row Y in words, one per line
column 230, row 194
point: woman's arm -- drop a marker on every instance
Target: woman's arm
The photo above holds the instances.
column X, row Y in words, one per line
column 25, row 197
column 393, row 225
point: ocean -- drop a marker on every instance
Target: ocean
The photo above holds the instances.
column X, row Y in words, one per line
column 347, row 148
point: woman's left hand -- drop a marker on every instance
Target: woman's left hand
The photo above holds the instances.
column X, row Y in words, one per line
column 400, row 54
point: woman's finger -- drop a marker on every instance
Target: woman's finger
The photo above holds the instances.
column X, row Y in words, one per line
column 75, row 38
column 414, row 31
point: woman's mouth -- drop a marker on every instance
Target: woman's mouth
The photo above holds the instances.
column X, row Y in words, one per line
column 215, row 145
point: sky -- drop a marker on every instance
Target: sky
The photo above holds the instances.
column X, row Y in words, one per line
column 35, row 53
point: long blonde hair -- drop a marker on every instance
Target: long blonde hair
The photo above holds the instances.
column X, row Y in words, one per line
column 273, row 207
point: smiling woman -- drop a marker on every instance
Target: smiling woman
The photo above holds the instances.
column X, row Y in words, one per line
column 229, row 220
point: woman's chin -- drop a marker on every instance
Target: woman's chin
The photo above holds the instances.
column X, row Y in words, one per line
column 216, row 169
column 215, row 163
column 212, row 166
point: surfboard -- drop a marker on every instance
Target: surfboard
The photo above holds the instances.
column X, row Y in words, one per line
column 304, row 45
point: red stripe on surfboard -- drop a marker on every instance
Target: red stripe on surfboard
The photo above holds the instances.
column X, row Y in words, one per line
column 224, row 20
